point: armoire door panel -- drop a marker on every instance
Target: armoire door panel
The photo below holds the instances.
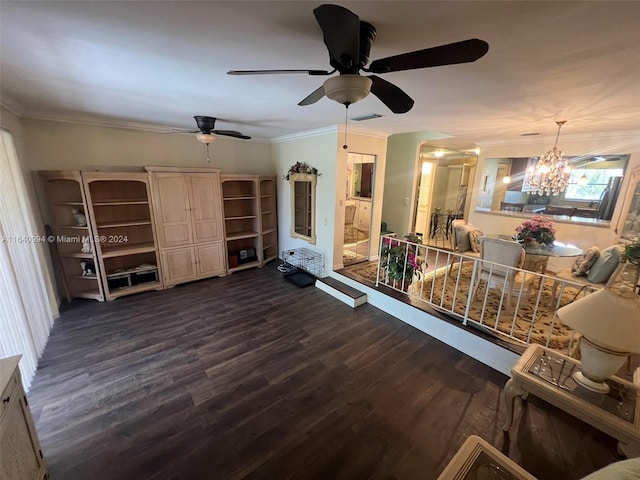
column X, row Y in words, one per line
column 210, row 260
column 205, row 202
column 174, row 222
column 179, row 265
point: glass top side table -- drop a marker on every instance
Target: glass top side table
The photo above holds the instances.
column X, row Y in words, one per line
column 547, row 374
column 477, row 459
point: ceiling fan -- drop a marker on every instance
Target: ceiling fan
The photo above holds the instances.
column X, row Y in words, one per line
column 207, row 133
column 348, row 40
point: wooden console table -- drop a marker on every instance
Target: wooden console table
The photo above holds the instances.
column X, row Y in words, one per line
column 547, row 374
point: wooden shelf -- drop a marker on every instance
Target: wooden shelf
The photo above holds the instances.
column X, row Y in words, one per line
column 240, row 235
column 268, row 230
column 121, row 201
column 266, row 196
column 130, row 249
column 72, row 204
column 243, row 217
column 239, row 197
column 244, row 266
column 128, row 223
column 84, row 277
column 141, row 287
column 265, row 212
column 73, row 227
column 90, row 294
column 77, row 255
column 265, row 247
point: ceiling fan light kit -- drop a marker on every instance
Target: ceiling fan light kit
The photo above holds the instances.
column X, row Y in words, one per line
column 206, row 138
column 348, row 40
column 347, row 89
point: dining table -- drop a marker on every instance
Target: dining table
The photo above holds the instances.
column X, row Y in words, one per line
column 537, row 257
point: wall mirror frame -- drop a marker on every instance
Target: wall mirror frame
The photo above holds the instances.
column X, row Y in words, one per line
column 303, row 206
column 444, row 178
column 594, row 188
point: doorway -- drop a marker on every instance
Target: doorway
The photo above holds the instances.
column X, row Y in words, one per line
column 424, row 189
column 358, row 208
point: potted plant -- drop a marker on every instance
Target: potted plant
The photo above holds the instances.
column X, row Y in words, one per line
column 536, row 232
column 400, row 259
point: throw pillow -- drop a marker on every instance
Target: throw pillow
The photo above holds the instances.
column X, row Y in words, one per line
column 462, row 237
column 585, row 261
column 474, row 239
column 605, row 264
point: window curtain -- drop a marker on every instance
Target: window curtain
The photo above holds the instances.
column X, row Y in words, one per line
column 27, row 299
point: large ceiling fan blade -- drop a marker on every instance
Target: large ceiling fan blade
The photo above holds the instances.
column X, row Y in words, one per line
column 313, row 97
column 452, row 53
column 392, row 96
column 341, row 30
column 278, row 72
column 230, row 133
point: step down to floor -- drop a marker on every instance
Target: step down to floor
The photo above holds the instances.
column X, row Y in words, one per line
column 345, row 293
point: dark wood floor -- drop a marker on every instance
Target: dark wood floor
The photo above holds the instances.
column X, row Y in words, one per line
column 249, row 376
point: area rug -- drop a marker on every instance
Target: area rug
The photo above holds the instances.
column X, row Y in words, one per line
column 530, row 325
column 353, row 234
column 523, row 326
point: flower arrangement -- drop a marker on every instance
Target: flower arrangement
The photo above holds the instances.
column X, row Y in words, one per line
column 400, row 259
column 537, row 230
column 301, row 167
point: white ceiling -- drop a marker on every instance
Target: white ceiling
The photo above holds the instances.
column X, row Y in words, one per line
column 159, row 63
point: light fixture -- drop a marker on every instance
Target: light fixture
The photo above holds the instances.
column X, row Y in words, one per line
column 506, row 179
column 609, row 321
column 551, row 175
column 347, row 89
column 438, row 154
column 206, row 138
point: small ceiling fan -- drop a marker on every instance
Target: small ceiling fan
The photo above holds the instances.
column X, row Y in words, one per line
column 207, row 133
column 348, row 40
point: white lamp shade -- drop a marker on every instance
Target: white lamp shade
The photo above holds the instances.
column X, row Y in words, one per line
column 206, row 138
column 347, row 89
column 607, row 319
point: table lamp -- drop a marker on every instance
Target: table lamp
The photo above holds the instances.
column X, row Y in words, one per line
column 609, row 321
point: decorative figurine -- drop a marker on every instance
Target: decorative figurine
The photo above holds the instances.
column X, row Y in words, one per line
column 81, row 219
column 86, row 247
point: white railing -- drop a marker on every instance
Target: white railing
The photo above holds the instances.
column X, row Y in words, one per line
column 523, row 313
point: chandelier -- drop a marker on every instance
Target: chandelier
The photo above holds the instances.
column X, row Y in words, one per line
column 551, row 174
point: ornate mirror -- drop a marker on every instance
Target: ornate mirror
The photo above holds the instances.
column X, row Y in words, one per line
column 303, row 206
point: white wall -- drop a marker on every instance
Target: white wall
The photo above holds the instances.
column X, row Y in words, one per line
column 323, row 150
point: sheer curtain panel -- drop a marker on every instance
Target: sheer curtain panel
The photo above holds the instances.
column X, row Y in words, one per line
column 27, row 300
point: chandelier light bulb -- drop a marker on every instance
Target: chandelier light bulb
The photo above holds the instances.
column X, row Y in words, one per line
column 550, row 176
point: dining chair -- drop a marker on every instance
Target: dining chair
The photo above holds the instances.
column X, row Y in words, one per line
column 502, row 258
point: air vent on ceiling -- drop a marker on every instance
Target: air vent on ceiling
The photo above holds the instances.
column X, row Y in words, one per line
column 529, row 134
column 367, row 116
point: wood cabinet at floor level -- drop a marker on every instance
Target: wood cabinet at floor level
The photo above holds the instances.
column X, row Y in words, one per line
column 20, row 452
column 188, row 216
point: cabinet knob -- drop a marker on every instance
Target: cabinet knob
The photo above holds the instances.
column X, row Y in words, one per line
column 6, row 400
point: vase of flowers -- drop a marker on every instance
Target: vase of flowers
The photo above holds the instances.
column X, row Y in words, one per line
column 537, row 232
column 400, row 260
